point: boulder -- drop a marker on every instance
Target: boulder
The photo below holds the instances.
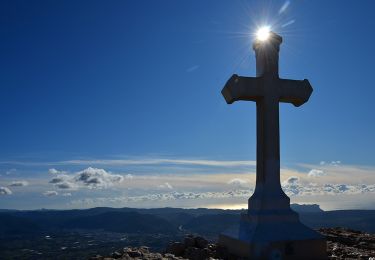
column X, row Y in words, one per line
column 200, row 242
column 176, row 248
column 194, row 253
column 116, row 255
column 189, row 241
column 134, row 253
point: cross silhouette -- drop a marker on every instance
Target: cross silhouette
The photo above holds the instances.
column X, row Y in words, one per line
column 267, row 90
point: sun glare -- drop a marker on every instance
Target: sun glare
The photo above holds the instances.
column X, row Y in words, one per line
column 263, row 33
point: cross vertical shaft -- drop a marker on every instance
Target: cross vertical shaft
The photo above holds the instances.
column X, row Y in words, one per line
column 268, row 189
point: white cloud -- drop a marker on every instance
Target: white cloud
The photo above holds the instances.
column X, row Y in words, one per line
column 291, row 185
column 19, row 184
column 291, row 180
column 316, row 173
column 92, row 178
column 64, row 181
column 295, row 187
column 66, row 185
column 66, row 194
column 237, row 182
column 95, row 178
column 50, row 193
column 55, row 172
column 5, row 191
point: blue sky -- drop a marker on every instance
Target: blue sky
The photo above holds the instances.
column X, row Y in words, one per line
column 101, row 84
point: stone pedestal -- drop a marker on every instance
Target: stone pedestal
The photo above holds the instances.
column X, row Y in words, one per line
column 273, row 234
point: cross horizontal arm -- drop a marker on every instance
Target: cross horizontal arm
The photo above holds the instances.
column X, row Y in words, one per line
column 242, row 88
column 296, row 92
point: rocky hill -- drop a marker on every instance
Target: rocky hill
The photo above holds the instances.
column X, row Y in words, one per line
column 342, row 244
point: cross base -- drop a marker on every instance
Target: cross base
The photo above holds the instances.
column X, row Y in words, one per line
column 276, row 234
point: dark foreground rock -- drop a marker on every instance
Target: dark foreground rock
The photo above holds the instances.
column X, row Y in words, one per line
column 342, row 243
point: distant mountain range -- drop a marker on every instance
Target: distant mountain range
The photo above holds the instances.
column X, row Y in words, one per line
column 202, row 221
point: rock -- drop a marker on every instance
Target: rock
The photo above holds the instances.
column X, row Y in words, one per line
column 221, row 253
column 200, row 242
column 212, row 247
column 134, row 253
column 345, row 243
column 176, row 248
column 144, row 249
column 195, row 253
column 341, row 244
column 156, row 256
column 189, row 241
column 116, row 255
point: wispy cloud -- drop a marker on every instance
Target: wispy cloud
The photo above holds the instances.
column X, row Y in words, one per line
column 192, row 68
column 140, row 161
column 284, row 7
column 288, row 23
column 158, row 161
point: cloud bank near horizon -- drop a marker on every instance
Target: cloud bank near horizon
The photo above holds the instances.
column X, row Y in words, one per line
column 209, row 181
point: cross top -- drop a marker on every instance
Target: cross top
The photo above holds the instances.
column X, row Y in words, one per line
column 267, row 55
column 267, row 90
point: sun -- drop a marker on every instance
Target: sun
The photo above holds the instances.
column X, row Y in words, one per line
column 263, row 33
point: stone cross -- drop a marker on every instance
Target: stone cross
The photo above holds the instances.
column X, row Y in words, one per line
column 270, row 229
column 267, row 90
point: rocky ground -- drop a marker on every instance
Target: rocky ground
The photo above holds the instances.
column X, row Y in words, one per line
column 345, row 243
column 342, row 244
